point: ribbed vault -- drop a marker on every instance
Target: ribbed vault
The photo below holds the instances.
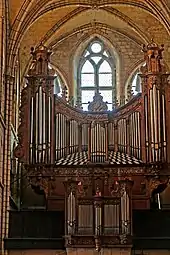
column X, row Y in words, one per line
column 53, row 22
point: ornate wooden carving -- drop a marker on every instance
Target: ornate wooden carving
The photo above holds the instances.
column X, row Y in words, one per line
column 97, row 105
column 153, row 56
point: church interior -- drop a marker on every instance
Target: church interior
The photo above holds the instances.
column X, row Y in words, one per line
column 84, row 127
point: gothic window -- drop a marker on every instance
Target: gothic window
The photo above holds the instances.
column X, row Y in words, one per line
column 57, row 85
column 136, row 84
column 96, row 75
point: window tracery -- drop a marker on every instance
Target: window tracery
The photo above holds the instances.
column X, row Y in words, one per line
column 96, row 75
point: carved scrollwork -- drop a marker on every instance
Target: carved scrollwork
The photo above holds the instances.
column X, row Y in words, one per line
column 123, row 239
column 41, row 182
column 71, row 185
column 154, row 182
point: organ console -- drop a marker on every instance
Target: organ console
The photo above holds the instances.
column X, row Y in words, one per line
column 96, row 161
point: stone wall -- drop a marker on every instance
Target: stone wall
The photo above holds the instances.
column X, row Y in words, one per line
column 127, row 53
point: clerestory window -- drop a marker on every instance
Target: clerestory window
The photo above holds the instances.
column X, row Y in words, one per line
column 96, row 74
column 136, row 84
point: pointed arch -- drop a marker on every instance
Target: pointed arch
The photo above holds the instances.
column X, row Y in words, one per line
column 100, row 54
column 133, row 83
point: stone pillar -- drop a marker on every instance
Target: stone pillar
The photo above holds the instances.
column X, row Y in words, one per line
column 7, row 159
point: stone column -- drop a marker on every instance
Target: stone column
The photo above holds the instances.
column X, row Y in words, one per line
column 7, row 157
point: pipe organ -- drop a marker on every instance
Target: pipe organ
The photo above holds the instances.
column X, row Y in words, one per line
column 56, row 133
column 91, row 159
column 154, row 86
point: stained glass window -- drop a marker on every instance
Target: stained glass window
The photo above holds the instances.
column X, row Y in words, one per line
column 96, row 74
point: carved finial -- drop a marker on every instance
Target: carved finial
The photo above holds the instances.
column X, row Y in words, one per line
column 40, row 61
column 97, row 243
column 78, row 102
column 153, row 56
column 97, row 105
column 98, row 192
column 64, row 93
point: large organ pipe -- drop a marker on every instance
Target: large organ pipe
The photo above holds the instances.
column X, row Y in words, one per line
column 125, row 189
column 43, row 128
column 36, row 128
column 61, row 136
column 146, row 127
column 136, row 135
column 32, row 132
column 152, row 126
column 139, row 136
column 155, row 123
column 71, row 202
column 49, row 131
column 164, row 127
column 159, row 125
column 133, row 134
column 71, row 213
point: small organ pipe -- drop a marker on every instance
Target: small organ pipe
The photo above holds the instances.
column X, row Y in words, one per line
column 116, row 135
column 128, row 137
column 106, row 143
column 79, row 137
column 68, row 136
column 89, row 142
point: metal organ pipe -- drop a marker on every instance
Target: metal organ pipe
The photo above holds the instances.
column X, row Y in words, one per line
column 44, row 126
column 125, row 213
column 152, row 125
column 136, row 136
column 106, row 142
column 71, row 216
column 146, row 127
column 32, row 131
column 61, row 136
column 36, row 128
column 71, row 137
column 139, row 136
column 159, row 126
column 68, row 136
column 164, row 128
column 49, row 131
column 89, row 142
column 111, row 140
column 85, row 136
column 75, row 130
column 79, row 141
column 122, row 135
column 155, row 123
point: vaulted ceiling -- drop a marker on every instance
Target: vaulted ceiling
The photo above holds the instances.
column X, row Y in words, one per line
column 53, row 21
